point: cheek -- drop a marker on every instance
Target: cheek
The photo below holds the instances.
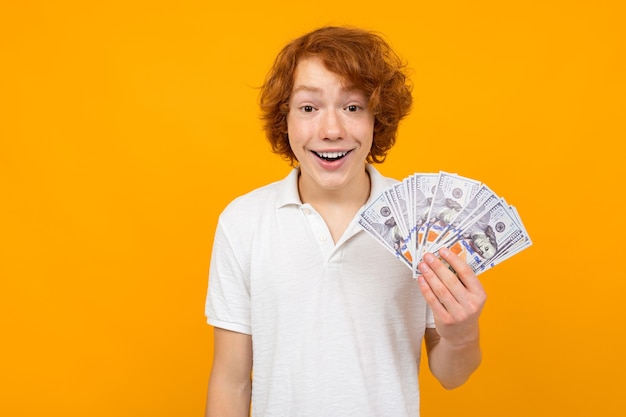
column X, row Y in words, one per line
column 367, row 130
column 295, row 128
column 297, row 136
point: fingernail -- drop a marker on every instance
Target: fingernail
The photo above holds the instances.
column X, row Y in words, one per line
column 429, row 257
column 444, row 251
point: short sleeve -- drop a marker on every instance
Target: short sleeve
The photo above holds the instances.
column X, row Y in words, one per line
column 430, row 318
column 228, row 296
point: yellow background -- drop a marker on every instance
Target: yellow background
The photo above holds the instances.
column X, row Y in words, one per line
column 126, row 127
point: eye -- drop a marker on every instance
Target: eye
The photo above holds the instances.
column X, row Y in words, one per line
column 353, row 108
column 307, row 109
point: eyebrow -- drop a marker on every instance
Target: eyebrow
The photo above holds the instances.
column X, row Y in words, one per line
column 306, row 88
column 313, row 89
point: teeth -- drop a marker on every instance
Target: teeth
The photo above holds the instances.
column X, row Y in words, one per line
column 331, row 155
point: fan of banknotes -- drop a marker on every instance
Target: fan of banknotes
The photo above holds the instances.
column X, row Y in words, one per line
column 425, row 212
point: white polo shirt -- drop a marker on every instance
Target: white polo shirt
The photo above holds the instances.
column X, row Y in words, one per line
column 336, row 328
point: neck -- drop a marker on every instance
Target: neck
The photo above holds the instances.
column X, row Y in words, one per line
column 337, row 207
column 353, row 194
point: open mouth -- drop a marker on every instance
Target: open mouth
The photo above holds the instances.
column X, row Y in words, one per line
column 331, row 156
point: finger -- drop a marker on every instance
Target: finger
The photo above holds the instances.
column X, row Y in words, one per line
column 463, row 270
column 436, row 305
column 436, row 292
column 443, row 272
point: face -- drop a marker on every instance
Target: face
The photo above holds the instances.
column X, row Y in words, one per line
column 330, row 129
column 483, row 246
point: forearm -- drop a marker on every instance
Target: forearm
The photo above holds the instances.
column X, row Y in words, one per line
column 230, row 384
column 226, row 399
column 456, row 300
column 453, row 364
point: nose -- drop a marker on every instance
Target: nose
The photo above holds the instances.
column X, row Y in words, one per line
column 332, row 125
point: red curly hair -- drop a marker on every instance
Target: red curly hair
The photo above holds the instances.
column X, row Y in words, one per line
column 364, row 59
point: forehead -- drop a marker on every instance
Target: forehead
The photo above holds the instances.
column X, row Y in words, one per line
column 312, row 74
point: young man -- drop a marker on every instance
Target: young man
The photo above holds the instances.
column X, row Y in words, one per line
column 332, row 322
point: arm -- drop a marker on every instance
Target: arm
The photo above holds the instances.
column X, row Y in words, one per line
column 456, row 300
column 230, row 384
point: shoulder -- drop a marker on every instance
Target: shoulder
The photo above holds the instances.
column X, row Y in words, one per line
column 263, row 201
column 379, row 181
column 256, row 201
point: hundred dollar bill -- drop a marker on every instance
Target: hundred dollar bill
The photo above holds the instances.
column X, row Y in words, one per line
column 396, row 197
column 482, row 201
column 366, row 226
column 485, row 238
column 518, row 244
column 379, row 218
column 422, row 189
column 406, row 191
column 515, row 246
column 452, row 193
column 428, row 211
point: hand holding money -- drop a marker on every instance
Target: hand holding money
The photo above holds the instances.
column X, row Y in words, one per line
column 456, row 299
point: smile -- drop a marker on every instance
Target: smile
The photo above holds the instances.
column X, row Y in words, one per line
column 330, row 156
